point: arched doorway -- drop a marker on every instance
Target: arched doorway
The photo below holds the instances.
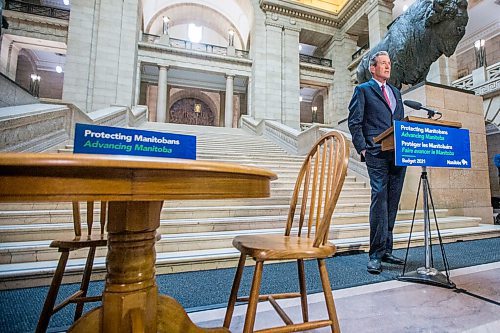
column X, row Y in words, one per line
column 191, row 111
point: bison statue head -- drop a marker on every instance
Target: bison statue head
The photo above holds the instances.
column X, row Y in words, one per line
column 418, row 37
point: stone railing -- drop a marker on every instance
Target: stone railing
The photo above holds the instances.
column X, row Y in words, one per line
column 315, row 60
column 292, row 140
column 24, row 7
column 481, row 80
column 485, row 82
column 464, row 83
column 137, row 115
column 360, row 52
column 300, row 142
column 13, row 94
column 41, row 127
column 35, row 127
column 201, row 47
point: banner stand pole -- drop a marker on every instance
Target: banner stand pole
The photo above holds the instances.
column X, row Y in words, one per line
column 427, row 274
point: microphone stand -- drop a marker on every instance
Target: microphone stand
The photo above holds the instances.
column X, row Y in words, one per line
column 427, row 274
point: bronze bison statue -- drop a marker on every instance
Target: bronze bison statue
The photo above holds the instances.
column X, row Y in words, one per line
column 418, row 37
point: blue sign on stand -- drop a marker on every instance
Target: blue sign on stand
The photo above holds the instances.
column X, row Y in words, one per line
column 94, row 139
column 428, row 145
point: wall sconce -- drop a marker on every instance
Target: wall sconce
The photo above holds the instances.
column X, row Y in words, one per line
column 166, row 19
column 231, row 37
column 197, row 108
column 314, row 117
column 35, row 85
column 480, row 53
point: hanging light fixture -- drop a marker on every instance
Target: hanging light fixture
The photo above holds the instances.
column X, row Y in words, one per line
column 480, row 52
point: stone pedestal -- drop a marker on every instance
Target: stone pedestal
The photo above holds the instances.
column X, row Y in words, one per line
column 164, row 40
column 463, row 192
column 231, row 51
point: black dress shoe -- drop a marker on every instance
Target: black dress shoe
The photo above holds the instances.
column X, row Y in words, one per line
column 374, row 266
column 391, row 259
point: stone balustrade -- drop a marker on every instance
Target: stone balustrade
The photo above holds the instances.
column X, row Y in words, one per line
column 40, row 127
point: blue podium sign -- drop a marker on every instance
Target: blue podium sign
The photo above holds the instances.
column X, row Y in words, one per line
column 94, row 139
column 428, row 145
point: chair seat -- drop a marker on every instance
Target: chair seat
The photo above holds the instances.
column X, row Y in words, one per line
column 80, row 242
column 277, row 247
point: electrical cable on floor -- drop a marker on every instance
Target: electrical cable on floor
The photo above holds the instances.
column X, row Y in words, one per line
column 463, row 291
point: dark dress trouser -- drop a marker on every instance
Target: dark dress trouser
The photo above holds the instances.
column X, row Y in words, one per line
column 386, row 180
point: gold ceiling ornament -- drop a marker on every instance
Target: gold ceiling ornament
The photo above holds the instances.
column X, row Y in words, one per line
column 303, row 9
column 333, row 6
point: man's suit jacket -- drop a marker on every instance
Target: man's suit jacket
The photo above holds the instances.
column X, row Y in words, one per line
column 370, row 115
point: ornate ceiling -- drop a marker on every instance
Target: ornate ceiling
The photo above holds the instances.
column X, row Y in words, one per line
column 333, row 6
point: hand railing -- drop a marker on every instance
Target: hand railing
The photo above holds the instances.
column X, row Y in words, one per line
column 315, row 60
column 359, row 52
column 23, row 7
column 201, row 47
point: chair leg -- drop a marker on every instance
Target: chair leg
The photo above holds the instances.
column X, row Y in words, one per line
column 234, row 291
column 303, row 290
column 48, row 306
column 84, row 286
column 327, row 290
column 254, row 298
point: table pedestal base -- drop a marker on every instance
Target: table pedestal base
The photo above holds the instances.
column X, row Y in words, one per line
column 170, row 317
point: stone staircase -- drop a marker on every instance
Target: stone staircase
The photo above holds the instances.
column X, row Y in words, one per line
column 197, row 234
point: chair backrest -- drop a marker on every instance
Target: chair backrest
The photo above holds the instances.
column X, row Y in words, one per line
column 318, row 188
column 77, row 221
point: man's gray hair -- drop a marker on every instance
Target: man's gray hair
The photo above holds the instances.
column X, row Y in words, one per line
column 373, row 59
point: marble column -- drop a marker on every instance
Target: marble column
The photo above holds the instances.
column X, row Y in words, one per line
column 379, row 17
column 228, row 115
column 100, row 60
column 273, row 71
column 161, row 102
column 290, row 113
column 257, row 103
column 340, row 92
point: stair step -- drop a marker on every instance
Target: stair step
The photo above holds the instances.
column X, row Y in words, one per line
column 203, row 208
column 31, row 274
column 198, row 234
column 39, row 250
column 43, row 231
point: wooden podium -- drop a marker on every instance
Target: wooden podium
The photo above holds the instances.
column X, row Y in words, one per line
column 386, row 138
column 427, row 274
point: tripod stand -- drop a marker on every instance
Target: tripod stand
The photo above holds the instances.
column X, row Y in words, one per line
column 427, row 274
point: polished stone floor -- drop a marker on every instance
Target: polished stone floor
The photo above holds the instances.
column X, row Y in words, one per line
column 396, row 306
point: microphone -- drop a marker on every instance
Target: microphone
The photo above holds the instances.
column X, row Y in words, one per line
column 417, row 106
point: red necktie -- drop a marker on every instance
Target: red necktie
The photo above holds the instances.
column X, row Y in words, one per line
column 386, row 96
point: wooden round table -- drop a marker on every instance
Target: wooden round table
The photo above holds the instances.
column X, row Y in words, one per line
column 135, row 188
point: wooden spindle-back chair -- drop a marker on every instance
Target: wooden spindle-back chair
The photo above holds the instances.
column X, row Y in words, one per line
column 315, row 196
column 65, row 246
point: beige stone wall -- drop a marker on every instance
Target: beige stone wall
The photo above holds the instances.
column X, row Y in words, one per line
column 461, row 191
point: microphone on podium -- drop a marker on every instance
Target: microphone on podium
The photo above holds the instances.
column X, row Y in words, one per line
column 417, row 106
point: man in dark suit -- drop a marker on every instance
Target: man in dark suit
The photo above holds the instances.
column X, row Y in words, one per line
column 373, row 108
